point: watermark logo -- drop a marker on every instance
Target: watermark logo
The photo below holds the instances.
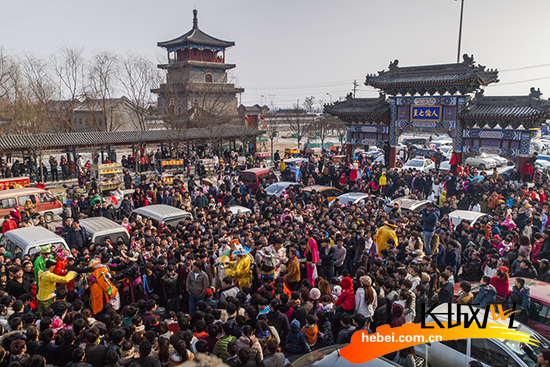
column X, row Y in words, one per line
column 448, row 323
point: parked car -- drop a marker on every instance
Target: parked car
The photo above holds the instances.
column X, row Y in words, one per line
column 538, row 146
column 458, row 215
column 253, row 178
column 100, row 227
column 501, row 161
column 26, row 241
column 159, row 213
column 445, row 167
column 329, row 192
column 330, row 357
column 45, row 203
column 419, row 164
column 235, row 209
column 490, row 352
column 351, row 198
column 415, row 141
column 276, row 189
column 406, row 204
column 482, row 161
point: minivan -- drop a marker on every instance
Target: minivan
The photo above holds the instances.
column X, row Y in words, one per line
column 26, row 241
column 44, row 202
column 490, row 352
column 98, row 228
column 253, row 178
column 160, row 213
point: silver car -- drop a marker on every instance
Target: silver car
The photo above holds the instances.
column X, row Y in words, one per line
column 330, row 357
column 482, row 161
column 490, row 352
column 276, row 189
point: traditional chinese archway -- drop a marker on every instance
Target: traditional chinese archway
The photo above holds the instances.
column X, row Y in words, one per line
column 442, row 99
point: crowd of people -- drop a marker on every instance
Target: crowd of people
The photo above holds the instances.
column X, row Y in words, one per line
column 295, row 274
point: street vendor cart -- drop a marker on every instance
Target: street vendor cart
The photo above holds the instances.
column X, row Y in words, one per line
column 261, row 159
column 108, row 176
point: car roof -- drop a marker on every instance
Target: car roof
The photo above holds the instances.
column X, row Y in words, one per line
column 330, row 356
column 538, row 289
column 33, row 235
column 255, row 170
column 159, row 211
column 23, row 191
column 235, row 208
column 318, row 188
column 466, row 214
column 353, row 195
column 96, row 224
column 406, row 203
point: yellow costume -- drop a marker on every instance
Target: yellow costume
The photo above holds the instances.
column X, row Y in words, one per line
column 46, row 286
column 442, row 198
column 383, row 235
column 240, row 271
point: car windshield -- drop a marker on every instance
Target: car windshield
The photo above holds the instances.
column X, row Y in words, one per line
column 515, row 345
column 415, row 163
column 273, row 189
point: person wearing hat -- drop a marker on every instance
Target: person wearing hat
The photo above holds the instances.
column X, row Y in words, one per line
column 47, row 281
column 40, row 262
column 526, row 270
column 241, row 268
column 384, row 233
column 102, row 290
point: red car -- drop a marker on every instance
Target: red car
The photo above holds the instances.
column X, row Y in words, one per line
column 539, row 310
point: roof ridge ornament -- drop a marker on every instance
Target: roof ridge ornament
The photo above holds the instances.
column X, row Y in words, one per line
column 195, row 19
column 468, row 60
column 535, row 93
column 393, row 65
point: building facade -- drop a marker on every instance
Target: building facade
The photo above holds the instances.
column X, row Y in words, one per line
column 197, row 89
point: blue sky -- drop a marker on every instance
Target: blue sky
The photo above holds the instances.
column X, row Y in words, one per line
column 286, row 50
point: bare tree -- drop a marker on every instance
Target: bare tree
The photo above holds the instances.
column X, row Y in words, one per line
column 324, row 125
column 69, row 69
column 299, row 123
column 139, row 75
column 272, row 129
column 102, row 84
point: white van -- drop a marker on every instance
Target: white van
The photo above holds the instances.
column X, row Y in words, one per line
column 100, row 227
column 159, row 213
column 26, row 241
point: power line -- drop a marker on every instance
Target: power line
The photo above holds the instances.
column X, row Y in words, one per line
column 318, row 85
column 521, row 81
column 524, row 68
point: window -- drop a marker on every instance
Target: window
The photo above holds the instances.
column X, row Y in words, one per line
column 17, row 252
column 21, row 199
column 208, row 78
column 248, row 178
column 8, row 203
column 539, row 313
column 458, row 345
column 491, row 354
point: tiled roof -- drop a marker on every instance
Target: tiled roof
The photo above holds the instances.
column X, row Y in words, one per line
column 196, row 36
column 462, row 77
column 89, row 139
column 358, row 107
column 506, row 107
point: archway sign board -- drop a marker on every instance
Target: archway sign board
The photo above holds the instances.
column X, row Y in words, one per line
column 442, row 99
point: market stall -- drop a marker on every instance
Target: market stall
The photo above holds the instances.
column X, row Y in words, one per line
column 172, row 164
column 292, row 152
column 15, row 182
column 261, row 159
column 108, row 176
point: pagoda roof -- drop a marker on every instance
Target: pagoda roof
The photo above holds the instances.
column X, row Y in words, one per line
column 196, row 36
column 464, row 77
column 529, row 111
column 359, row 108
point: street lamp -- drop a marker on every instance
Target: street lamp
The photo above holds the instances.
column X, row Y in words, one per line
column 262, row 96
column 330, row 95
column 460, row 31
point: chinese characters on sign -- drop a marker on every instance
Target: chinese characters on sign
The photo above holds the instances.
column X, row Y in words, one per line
column 425, row 113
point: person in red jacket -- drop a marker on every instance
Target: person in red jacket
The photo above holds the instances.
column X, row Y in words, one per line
column 500, row 282
column 8, row 224
column 346, row 300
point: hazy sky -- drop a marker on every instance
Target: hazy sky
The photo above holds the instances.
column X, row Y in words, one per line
column 288, row 49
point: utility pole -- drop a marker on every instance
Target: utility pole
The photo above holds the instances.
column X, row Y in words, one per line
column 460, row 31
column 355, row 85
